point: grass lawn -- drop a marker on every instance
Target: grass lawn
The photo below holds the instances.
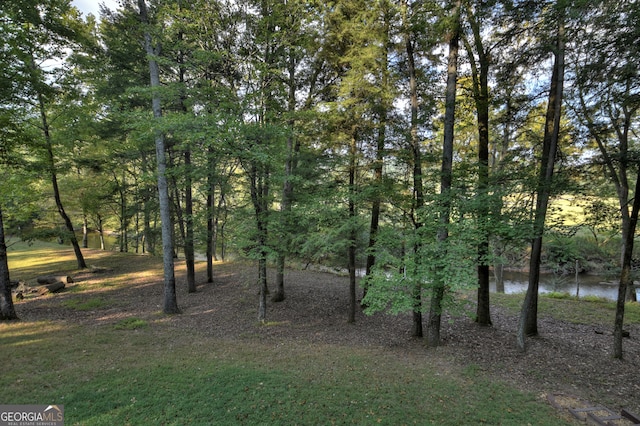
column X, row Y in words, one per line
column 143, row 372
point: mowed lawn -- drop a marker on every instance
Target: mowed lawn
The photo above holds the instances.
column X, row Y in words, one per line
column 143, row 371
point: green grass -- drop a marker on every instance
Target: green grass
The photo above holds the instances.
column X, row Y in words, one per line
column 588, row 310
column 131, row 324
column 146, row 376
column 84, row 305
column 141, row 372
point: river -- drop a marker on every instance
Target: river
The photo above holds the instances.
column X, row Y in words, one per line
column 590, row 285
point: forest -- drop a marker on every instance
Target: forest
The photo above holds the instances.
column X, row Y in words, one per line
column 424, row 143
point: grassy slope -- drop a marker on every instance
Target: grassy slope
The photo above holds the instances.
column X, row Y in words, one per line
column 148, row 373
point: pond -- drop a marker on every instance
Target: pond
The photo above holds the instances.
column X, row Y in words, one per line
column 590, row 285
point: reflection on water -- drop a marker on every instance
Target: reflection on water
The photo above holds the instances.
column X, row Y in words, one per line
column 590, row 285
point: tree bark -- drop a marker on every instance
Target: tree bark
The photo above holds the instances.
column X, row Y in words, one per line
column 293, row 149
column 380, row 148
column 259, row 194
column 528, row 323
column 189, row 249
column 480, row 74
column 7, row 310
column 626, row 279
column 446, row 176
column 170, row 303
column 210, row 213
column 418, row 192
column 352, row 243
column 54, row 177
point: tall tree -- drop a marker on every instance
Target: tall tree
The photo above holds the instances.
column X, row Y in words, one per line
column 528, row 321
column 170, row 303
column 382, row 31
column 44, row 34
column 479, row 60
column 446, row 176
column 606, row 102
column 416, row 154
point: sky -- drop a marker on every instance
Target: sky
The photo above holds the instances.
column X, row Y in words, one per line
column 93, row 6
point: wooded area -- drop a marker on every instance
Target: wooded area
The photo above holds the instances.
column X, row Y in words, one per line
column 420, row 140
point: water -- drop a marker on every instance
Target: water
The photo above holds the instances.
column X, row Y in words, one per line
column 590, row 285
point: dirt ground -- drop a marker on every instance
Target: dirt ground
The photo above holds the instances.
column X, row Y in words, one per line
column 565, row 359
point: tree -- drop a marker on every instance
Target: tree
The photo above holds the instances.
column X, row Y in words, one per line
column 528, row 321
column 438, row 287
column 7, row 311
column 416, row 154
column 44, row 33
column 606, row 102
column 606, row 98
column 170, row 305
column 480, row 89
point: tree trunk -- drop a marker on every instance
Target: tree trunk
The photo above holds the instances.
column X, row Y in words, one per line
column 85, row 231
column 498, row 273
column 416, row 154
column 480, row 73
column 528, row 323
column 352, row 243
column 438, row 289
column 7, row 311
column 259, row 182
column 124, row 245
column 293, row 149
column 264, row 289
column 54, row 183
column 189, row 249
column 210, row 234
column 380, row 147
column 170, row 305
column 625, row 277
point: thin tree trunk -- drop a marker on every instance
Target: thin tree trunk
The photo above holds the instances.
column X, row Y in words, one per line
column 123, row 213
column 210, row 233
column 101, row 233
column 498, row 272
column 259, row 194
column 54, row 179
column 352, row 244
column 170, row 305
column 85, row 231
column 379, row 162
column 418, row 196
column 438, row 289
column 293, row 149
column 7, row 310
column 626, row 279
column 528, row 323
column 189, row 250
column 56, row 193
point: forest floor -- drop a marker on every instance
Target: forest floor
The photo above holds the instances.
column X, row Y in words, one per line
column 566, row 359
